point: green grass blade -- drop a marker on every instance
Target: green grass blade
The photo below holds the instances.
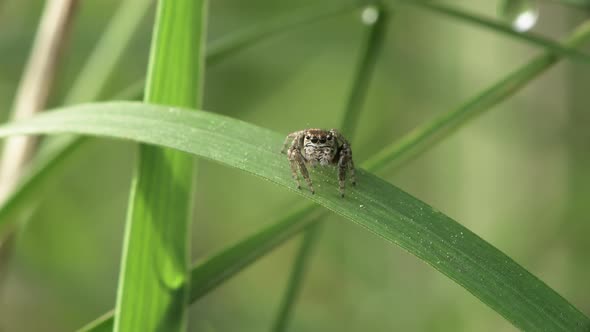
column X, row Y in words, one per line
column 529, row 37
column 109, row 49
column 153, row 282
column 246, row 37
column 296, row 278
column 374, row 204
column 217, row 51
column 213, row 271
column 364, row 70
column 425, row 136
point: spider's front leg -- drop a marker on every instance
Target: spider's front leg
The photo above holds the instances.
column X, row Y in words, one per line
column 351, row 167
column 297, row 160
column 345, row 163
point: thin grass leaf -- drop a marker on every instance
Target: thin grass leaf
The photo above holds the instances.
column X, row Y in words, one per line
column 529, row 37
column 374, row 204
column 377, row 18
column 427, row 135
column 296, row 278
column 108, row 51
column 153, row 282
column 246, row 37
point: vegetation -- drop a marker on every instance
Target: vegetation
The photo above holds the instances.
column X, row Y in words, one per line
column 513, row 181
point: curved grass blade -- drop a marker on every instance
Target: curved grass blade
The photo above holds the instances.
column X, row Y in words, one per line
column 374, row 204
column 530, row 37
column 153, row 282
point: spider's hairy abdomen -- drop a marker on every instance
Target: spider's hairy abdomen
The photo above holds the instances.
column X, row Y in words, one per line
column 319, row 146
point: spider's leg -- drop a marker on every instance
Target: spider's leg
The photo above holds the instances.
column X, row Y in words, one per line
column 343, row 165
column 297, row 159
column 292, row 155
column 351, row 166
column 303, row 169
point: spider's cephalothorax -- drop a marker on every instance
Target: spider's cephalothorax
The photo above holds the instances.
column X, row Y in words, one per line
column 319, row 146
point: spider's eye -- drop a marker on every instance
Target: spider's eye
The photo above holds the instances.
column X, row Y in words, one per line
column 329, row 138
column 314, row 140
column 307, row 137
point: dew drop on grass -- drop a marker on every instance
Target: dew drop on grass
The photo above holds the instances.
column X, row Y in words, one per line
column 522, row 15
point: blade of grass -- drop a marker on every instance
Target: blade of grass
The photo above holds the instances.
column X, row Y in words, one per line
column 246, row 37
column 374, row 204
column 216, row 52
column 375, row 19
column 296, row 278
column 472, row 18
column 425, row 136
column 153, row 282
column 108, row 51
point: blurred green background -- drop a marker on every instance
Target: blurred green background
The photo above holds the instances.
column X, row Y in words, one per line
column 518, row 176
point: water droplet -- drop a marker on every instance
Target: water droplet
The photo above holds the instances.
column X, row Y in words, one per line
column 521, row 14
column 361, row 206
column 370, row 15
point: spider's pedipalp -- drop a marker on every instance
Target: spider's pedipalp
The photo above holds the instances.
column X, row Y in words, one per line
column 290, row 138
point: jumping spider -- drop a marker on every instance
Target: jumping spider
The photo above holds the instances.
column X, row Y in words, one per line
column 319, row 146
